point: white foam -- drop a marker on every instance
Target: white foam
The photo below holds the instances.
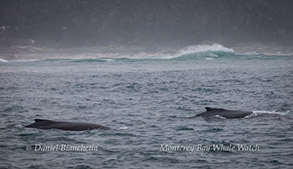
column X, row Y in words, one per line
column 196, row 49
column 123, row 128
column 204, row 48
column 3, row 60
column 258, row 112
column 19, row 126
column 108, row 60
column 268, row 112
column 210, row 58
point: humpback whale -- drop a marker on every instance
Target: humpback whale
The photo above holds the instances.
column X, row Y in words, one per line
column 72, row 126
column 229, row 114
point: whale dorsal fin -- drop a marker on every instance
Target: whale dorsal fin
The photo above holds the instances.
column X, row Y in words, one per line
column 210, row 108
column 39, row 120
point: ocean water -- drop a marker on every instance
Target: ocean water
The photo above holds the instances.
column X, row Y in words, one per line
column 149, row 102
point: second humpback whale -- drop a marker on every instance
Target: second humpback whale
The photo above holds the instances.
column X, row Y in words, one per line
column 72, row 126
column 229, row 114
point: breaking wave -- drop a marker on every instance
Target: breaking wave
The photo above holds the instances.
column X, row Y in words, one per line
column 3, row 60
column 214, row 50
column 205, row 49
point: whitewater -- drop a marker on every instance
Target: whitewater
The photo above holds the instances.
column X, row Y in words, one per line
column 149, row 100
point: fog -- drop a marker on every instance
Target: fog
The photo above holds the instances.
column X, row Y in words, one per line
column 143, row 25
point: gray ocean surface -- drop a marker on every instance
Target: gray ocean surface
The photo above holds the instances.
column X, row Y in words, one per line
column 148, row 103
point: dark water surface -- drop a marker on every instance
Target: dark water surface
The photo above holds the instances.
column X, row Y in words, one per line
column 147, row 102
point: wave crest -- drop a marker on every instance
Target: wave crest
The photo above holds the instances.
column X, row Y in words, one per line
column 3, row 60
column 207, row 51
column 205, row 48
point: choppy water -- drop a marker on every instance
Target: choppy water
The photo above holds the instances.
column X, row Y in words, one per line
column 147, row 102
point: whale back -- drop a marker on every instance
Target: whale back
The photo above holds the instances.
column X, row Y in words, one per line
column 230, row 114
column 72, row 126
